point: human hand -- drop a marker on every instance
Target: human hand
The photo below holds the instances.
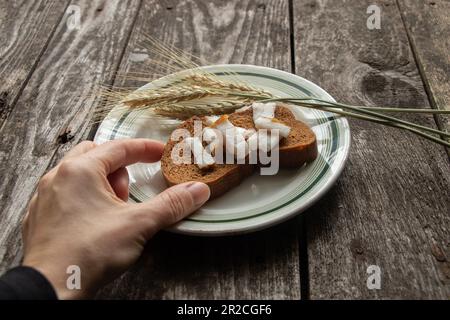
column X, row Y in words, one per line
column 79, row 215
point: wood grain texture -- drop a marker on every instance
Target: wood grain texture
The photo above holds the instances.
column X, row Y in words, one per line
column 261, row 265
column 390, row 207
column 57, row 97
column 428, row 27
column 25, row 29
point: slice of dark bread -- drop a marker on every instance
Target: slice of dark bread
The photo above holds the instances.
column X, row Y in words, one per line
column 295, row 150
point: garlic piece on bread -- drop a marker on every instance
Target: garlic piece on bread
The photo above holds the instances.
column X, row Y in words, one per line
column 263, row 110
column 202, row 158
column 273, row 124
column 211, row 119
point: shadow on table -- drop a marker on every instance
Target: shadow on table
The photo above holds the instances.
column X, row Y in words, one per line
column 263, row 264
column 186, row 267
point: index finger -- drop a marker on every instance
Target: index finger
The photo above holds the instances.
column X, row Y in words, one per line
column 116, row 154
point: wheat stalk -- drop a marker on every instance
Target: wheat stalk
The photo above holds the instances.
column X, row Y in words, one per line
column 199, row 93
column 171, row 95
column 207, row 81
column 183, row 111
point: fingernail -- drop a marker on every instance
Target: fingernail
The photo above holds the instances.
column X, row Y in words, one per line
column 199, row 191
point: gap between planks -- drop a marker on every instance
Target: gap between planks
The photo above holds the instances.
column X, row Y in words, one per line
column 33, row 68
column 302, row 236
column 421, row 70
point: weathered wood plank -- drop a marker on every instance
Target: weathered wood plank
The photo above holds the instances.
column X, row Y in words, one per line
column 58, row 96
column 390, row 207
column 428, row 27
column 254, row 266
column 25, row 28
column 261, row 265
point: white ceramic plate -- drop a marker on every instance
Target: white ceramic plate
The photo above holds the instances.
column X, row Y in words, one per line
column 260, row 201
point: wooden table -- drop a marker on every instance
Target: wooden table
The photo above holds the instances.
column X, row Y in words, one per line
column 389, row 208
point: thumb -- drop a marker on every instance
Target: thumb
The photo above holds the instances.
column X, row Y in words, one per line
column 173, row 204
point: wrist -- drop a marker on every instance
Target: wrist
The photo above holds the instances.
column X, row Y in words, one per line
column 63, row 282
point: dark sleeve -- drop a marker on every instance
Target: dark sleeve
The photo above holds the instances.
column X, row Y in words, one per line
column 25, row 283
